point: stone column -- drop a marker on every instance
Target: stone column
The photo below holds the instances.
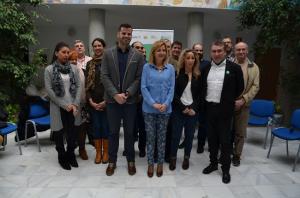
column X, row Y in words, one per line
column 195, row 28
column 96, row 25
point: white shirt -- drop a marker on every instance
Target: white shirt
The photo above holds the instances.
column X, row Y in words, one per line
column 81, row 63
column 66, row 81
column 187, row 97
column 215, row 80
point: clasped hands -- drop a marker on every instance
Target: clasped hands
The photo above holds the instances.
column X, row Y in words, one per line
column 121, row 97
column 98, row 106
column 72, row 108
column 189, row 111
column 160, row 107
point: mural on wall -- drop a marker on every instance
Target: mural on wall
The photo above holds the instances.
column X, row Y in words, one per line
column 221, row 4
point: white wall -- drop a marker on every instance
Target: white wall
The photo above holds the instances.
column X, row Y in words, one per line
column 217, row 23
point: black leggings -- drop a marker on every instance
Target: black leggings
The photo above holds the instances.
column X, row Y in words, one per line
column 68, row 130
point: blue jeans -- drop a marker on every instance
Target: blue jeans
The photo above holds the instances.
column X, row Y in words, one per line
column 156, row 128
column 180, row 121
column 99, row 124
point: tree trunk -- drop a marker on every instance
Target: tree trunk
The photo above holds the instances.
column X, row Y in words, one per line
column 289, row 84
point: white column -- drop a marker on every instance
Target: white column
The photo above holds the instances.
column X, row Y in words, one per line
column 195, row 28
column 96, row 25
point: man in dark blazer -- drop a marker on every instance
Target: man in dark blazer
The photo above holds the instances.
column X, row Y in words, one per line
column 222, row 83
column 121, row 73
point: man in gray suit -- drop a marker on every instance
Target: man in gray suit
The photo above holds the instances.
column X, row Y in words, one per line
column 121, row 73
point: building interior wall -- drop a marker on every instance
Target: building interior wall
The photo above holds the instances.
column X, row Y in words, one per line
column 69, row 23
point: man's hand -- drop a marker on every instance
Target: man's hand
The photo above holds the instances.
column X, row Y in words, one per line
column 186, row 111
column 120, row 98
column 191, row 112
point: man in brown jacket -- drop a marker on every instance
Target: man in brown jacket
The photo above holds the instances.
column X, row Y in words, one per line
column 251, row 82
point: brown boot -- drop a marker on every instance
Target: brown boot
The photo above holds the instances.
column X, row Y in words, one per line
column 159, row 170
column 82, row 152
column 105, row 151
column 98, row 146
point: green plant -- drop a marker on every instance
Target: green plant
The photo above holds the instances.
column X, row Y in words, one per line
column 17, row 32
column 12, row 110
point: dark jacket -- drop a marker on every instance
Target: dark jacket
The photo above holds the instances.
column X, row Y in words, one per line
column 111, row 77
column 180, row 84
column 96, row 93
column 233, row 87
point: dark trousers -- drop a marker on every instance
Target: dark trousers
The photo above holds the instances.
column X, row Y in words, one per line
column 180, row 121
column 68, row 131
column 168, row 140
column 201, row 129
column 139, row 132
column 219, row 135
column 116, row 113
column 99, row 124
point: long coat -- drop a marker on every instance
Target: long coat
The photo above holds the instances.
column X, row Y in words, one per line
column 57, row 102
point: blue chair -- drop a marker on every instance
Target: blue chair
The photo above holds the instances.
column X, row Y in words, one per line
column 261, row 114
column 288, row 134
column 38, row 115
column 7, row 130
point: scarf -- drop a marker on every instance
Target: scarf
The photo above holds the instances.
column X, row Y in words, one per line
column 90, row 82
column 57, row 83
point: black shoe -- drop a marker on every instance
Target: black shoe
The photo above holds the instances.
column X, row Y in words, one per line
column 63, row 162
column 210, row 168
column 172, row 164
column 181, row 146
column 72, row 160
column 236, row 161
column 185, row 164
column 142, row 153
column 226, row 178
column 200, row 149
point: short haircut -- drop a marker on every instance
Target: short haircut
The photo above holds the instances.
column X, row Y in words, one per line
column 155, row 46
column 197, row 44
column 78, row 41
column 176, row 43
column 132, row 45
column 124, row 25
column 218, row 43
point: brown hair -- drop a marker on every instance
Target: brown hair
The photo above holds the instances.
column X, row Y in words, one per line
column 181, row 62
column 90, row 79
column 156, row 45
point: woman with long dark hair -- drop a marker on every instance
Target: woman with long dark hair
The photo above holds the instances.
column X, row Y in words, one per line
column 62, row 83
column 96, row 103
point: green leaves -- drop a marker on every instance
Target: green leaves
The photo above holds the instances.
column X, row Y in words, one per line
column 17, row 32
column 278, row 20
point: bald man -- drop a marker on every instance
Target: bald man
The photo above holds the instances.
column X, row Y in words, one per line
column 251, row 84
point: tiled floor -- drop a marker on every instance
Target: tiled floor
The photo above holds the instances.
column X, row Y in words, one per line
column 36, row 174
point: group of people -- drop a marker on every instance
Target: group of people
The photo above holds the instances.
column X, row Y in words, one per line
column 154, row 100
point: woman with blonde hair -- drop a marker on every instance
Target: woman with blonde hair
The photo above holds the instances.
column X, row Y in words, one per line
column 186, row 104
column 157, row 86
